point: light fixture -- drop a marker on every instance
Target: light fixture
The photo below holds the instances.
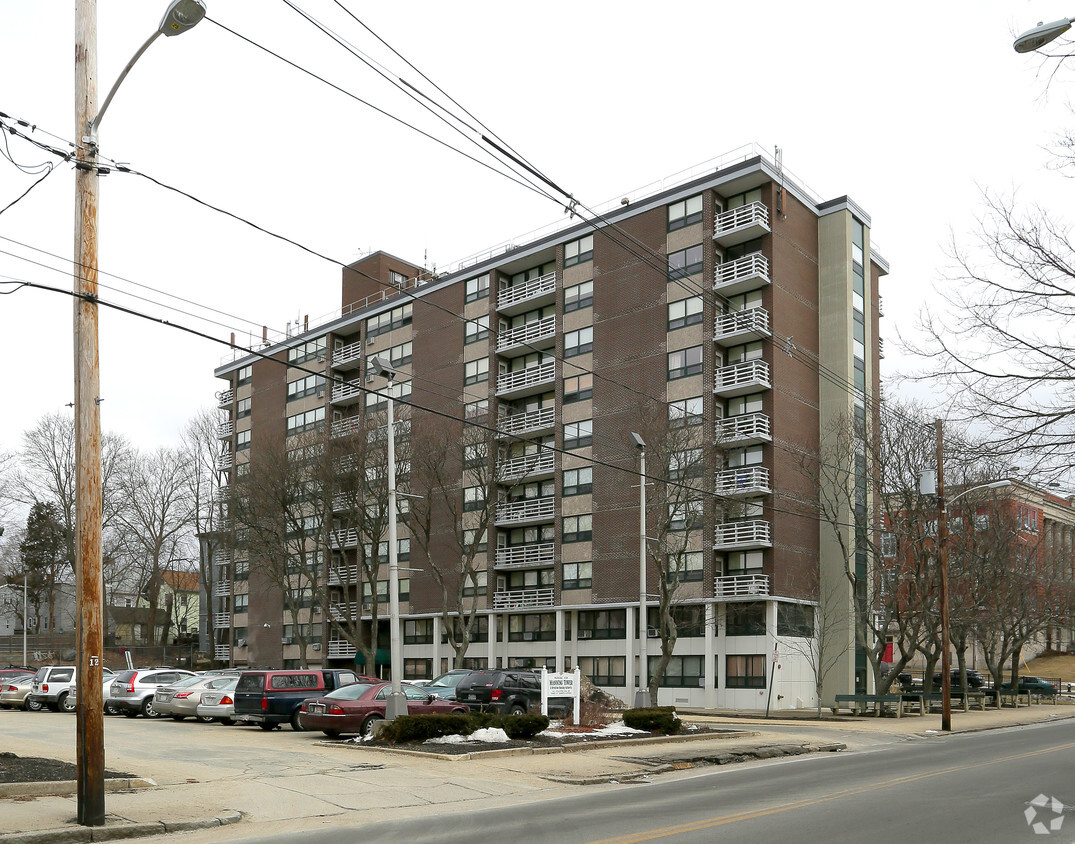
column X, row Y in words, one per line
column 181, row 16
column 1040, row 35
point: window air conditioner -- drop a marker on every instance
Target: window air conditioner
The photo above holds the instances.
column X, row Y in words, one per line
column 321, row 358
column 528, row 637
column 316, row 646
column 652, row 634
column 370, row 377
column 367, row 606
column 369, row 341
column 240, row 643
column 585, row 634
column 316, row 610
column 320, row 392
column 286, row 640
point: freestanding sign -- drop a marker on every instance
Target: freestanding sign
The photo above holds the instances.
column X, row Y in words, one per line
column 568, row 684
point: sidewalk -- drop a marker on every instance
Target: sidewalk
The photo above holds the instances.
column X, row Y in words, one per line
column 353, row 784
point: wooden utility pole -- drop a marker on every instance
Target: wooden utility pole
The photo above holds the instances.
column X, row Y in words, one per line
column 90, row 711
column 942, row 557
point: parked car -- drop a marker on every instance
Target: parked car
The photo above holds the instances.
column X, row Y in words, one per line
column 975, row 680
column 509, row 691
column 355, row 708
column 180, row 700
column 14, row 671
column 1034, row 685
column 52, row 687
column 273, row 697
column 219, row 705
column 444, row 686
column 15, row 693
column 132, row 691
column 108, row 675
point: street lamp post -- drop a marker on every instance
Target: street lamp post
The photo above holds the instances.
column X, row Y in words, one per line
column 396, row 704
column 642, row 696
column 180, row 16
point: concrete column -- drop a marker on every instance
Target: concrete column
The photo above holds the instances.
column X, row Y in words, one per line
column 709, row 669
column 492, row 640
column 629, row 654
column 560, row 640
column 436, row 646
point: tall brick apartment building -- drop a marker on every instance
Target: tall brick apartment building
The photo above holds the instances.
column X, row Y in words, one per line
column 735, row 301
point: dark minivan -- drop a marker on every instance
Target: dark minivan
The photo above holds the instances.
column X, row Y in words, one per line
column 274, row 696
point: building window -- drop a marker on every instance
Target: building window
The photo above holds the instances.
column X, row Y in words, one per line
column 794, row 620
column 578, row 297
column 745, row 619
column 476, row 409
column 684, row 312
column 473, row 498
column 603, row 624
column 577, row 528
column 477, row 329
column 685, row 567
column 246, row 375
column 475, row 583
column 578, row 342
column 690, row 620
column 578, row 388
column 532, row 627
column 476, row 371
column 242, row 440
column 684, row 363
column 376, row 399
column 604, row 670
column 578, row 434
column 685, row 515
column 475, row 543
column 685, row 412
column 306, row 387
column 417, row 669
column 685, row 464
column 578, row 251
column 741, row 562
column 684, row 213
column 418, row 631
column 389, row 320
column 305, row 421
column 401, row 354
column 577, row 481
column 305, row 351
column 242, row 601
column 681, row 671
column 474, row 455
column 745, row 671
column 478, row 288
column 685, row 262
column 242, row 409
column 576, row 576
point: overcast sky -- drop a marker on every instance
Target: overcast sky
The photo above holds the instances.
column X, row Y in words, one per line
column 910, row 108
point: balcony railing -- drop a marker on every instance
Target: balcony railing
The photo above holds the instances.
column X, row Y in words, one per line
column 530, row 510
column 221, row 620
column 221, row 588
column 746, row 273
column 524, row 379
column 530, row 422
column 347, row 426
column 348, row 355
column 741, row 378
column 221, row 557
column 225, row 430
column 754, row 534
column 225, row 397
column 881, row 347
column 526, row 556
column 515, row 599
column 516, row 294
column 222, row 652
column 347, row 392
column 742, row 326
column 529, row 335
column 738, row 225
column 347, row 538
column 224, row 461
column 514, row 468
column 340, row 649
column 349, row 611
column 342, row 575
column 741, row 585
column 747, row 480
column 747, row 429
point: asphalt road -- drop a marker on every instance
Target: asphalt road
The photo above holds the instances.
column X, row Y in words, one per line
column 974, row 787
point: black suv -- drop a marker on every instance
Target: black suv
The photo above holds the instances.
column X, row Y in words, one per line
column 975, row 680
column 511, row 691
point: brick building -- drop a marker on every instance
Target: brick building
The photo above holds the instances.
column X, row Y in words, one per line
column 736, row 301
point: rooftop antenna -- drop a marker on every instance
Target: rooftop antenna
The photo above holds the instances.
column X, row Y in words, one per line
column 780, row 186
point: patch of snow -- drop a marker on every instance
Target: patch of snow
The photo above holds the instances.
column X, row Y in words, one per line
column 489, row 735
column 618, row 728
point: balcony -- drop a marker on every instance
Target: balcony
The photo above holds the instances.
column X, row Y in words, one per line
column 222, row 558
column 522, row 382
column 225, row 430
column 530, row 423
column 733, row 535
column 343, row 575
column 536, row 555
column 347, row 427
column 881, row 348
column 741, row 224
column 742, row 378
column 527, row 511
column 523, row 339
column 535, row 293
column 742, row 327
column 350, row 611
column 748, row 429
column 349, row 356
column 530, row 466
column 225, row 398
column 224, row 461
column 740, row 586
column 222, row 653
column 341, row 649
column 518, row 599
column 349, row 392
column 747, row 273
column 221, row 588
column 746, row 480
column 343, row 538
column 221, row 620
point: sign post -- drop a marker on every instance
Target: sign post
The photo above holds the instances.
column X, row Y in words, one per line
column 567, row 684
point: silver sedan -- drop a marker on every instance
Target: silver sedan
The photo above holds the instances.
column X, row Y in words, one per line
column 15, row 691
column 180, row 700
column 219, row 704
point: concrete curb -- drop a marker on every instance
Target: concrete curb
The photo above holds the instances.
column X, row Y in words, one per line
column 542, row 751
column 65, row 788
column 82, row 834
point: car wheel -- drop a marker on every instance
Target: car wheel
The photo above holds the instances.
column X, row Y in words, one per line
column 367, row 725
column 518, row 709
column 296, row 722
column 148, row 710
column 179, row 717
column 32, row 705
column 206, row 719
column 110, row 709
column 65, row 703
column 267, row 727
column 332, row 733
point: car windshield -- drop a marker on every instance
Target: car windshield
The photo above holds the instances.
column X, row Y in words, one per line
column 447, row 681
column 187, row 681
column 351, row 692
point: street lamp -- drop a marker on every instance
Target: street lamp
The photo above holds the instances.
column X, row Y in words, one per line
column 397, row 701
column 642, row 698
column 1040, row 35
column 180, row 16
column 25, row 607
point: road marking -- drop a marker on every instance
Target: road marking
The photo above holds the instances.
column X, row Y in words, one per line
column 721, row 820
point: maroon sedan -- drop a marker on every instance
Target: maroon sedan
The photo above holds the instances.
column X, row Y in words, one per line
column 354, row 708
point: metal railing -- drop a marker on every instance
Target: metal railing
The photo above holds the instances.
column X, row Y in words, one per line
column 749, row 426
column 518, row 424
column 346, row 390
column 755, row 532
column 346, row 538
column 348, row 353
column 221, row 620
column 755, row 213
column 222, row 652
column 346, row 427
column 740, row 585
column 743, row 481
column 516, row 293
column 224, row 461
column 515, row 468
column 523, row 598
column 526, row 556
column 531, row 332
column 752, row 321
column 534, row 509
column 529, row 377
column 342, row 575
column 748, row 373
column 221, row 588
column 225, row 429
column 754, row 265
column 225, row 397
column 340, row 648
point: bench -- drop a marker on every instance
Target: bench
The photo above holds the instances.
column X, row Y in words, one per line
column 1014, row 695
column 966, row 698
column 859, row 702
